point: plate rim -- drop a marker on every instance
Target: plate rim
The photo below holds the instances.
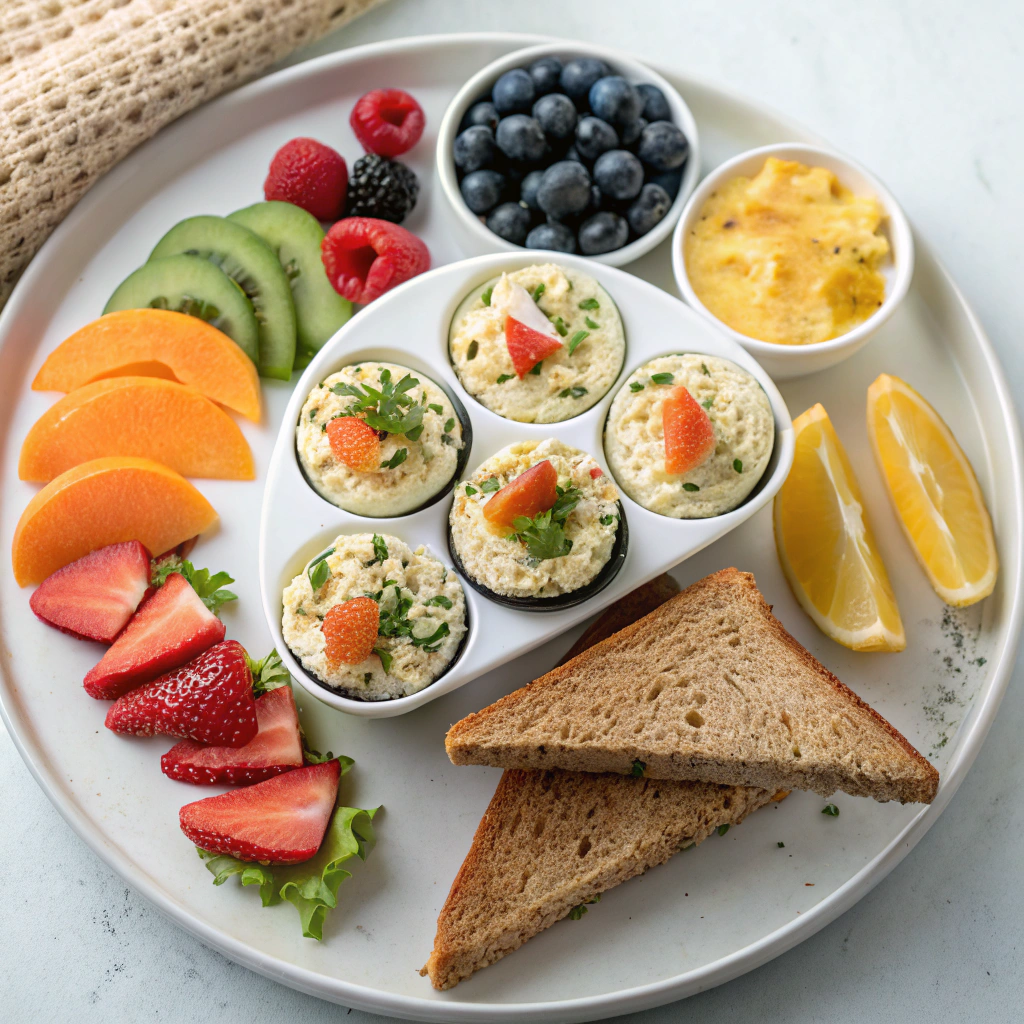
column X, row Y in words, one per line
column 628, row 999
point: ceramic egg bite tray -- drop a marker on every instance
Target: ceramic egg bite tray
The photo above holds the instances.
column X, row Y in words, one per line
column 410, row 326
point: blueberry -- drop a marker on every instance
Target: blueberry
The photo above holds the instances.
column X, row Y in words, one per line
column 656, row 107
column 545, row 73
column 556, row 115
column 615, row 100
column 663, row 146
column 602, row 233
column 474, row 148
column 482, row 190
column 511, row 222
column 528, row 189
column 484, row 113
column 668, row 180
column 647, row 209
column 630, row 133
column 513, row 93
column 579, row 75
column 594, row 137
column 552, row 236
column 521, row 138
column 564, row 189
column 619, row 174
column 596, row 200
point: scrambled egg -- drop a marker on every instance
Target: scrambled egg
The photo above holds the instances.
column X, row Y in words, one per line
column 789, row 256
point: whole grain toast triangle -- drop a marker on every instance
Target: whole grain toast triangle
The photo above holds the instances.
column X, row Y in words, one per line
column 708, row 687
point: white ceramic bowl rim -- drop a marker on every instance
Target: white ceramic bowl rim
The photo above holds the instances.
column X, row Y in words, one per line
column 899, row 227
column 631, row 68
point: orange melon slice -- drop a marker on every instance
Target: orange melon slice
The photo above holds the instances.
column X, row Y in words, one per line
column 102, row 502
column 155, row 343
column 142, row 416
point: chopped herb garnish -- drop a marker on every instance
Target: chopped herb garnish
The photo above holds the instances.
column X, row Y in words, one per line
column 485, row 295
column 577, row 339
column 434, row 407
column 592, row 324
column 318, row 571
column 781, row 845
column 590, row 304
column 737, row 465
column 380, row 549
column 490, row 484
column 388, row 409
column 722, row 829
column 472, row 349
column 539, row 291
column 312, row 414
column 561, row 326
column 607, row 520
column 690, row 487
column 574, row 392
column 396, row 460
column 544, row 534
column 577, row 912
column 639, row 767
column 394, row 621
column 662, row 378
column 440, row 600
column 470, row 489
column 536, row 368
column 704, row 369
column 831, row 810
column 385, row 658
column 635, row 385
column 504, row 377
column 449, row 424
column 708, row 402
column 448, row 440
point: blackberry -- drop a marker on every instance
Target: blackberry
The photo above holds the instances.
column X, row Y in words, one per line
column 381, row 188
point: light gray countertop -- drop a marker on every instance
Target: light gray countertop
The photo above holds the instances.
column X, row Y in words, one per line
column 928, row 95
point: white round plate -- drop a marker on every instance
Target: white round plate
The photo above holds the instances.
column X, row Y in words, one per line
column 705, row 917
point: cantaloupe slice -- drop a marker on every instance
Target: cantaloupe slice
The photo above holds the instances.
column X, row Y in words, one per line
column 102, row 502
column 155, row 343
column 142, row 416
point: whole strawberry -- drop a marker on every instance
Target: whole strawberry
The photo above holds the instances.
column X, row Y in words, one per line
column 311, row 175
column 209, row 700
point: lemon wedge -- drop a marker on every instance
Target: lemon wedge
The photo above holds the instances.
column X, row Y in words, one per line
column 826, row 547
column 934, row 491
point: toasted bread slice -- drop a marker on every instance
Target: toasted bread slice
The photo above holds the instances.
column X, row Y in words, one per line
column 708, row 687
column 551, row 841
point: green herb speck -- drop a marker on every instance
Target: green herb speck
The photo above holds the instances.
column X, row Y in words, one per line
column 638, row 768
column 470, row 489
column 690, row 487
column 472, row 349
column 662, row 378
column 590, row 304
column 831, row 810
column 635, row 385
column 577, row 339
column 490, row 484
column 539, row 291
column 504, row 377
column 737, row 464
column 722, row 829
column 485, row 295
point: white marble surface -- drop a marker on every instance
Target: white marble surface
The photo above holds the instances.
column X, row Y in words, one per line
column 928, row 94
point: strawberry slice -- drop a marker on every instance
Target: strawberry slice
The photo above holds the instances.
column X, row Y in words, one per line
column 354, row 443
column 280, row 821
column 528, row 495
column 95, row 596
column 350, row 631
column 527, row 347
column 276, row 748
column 689, row 435
column 170, row 628
column 209, row 699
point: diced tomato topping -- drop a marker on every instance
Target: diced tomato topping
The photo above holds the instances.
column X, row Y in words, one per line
column 596, row 472
column 528, row 495
column 355, row 443
column 689, row 435
column 526, row 346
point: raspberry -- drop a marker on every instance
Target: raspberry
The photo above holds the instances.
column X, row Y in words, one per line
column 388, row 122
column 355, row 443
column 382, row 188
column 350, row 631
column 364, row 257
column 689, row 435
column 309, row 174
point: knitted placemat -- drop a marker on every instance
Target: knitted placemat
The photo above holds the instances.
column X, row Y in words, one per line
column 83, row 82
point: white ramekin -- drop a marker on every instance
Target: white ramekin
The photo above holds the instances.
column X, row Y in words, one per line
column 473, row 236
column 786, row 361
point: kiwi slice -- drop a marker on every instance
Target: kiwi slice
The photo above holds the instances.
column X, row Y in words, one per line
column 295, row 236
column 188, row 284
column 249, row 261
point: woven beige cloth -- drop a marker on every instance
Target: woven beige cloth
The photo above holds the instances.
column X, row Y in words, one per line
column 83, row 82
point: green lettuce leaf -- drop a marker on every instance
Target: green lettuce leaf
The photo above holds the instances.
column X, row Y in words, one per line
column 222, row 867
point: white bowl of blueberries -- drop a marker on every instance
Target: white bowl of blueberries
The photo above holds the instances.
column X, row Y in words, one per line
column 567, row 147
